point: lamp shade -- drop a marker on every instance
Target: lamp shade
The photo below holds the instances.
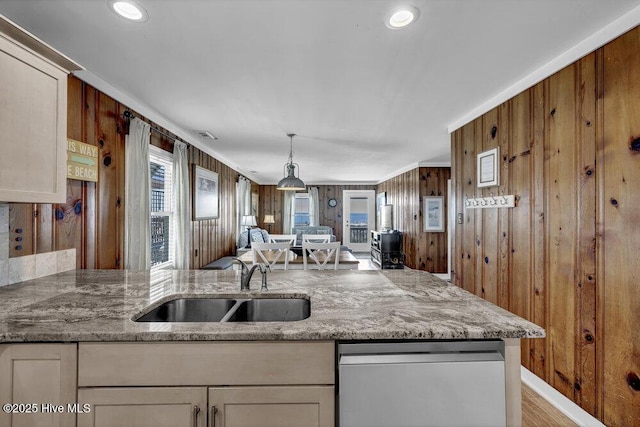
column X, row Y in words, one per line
column 269, row 219
column 290, row 184
column 249, row 221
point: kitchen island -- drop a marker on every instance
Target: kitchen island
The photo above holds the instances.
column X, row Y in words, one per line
column 87, row 316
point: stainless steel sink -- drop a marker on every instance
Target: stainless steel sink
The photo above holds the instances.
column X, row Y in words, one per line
column 190, row 310
column 229, row 310
column 272, row 310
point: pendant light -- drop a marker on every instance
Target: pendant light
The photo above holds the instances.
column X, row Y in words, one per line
column 291, row 182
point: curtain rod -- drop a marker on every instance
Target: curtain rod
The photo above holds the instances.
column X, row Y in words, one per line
column 129, row 115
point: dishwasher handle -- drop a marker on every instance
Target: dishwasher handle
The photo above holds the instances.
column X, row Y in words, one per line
column 407, row 358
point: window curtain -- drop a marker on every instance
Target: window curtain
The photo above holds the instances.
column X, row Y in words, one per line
column 137, row 223
column 182, row 214
column 314, row 206
column 243, row 204
column 288, row 214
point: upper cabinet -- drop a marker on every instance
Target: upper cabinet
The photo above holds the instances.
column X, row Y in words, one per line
column 33, row 118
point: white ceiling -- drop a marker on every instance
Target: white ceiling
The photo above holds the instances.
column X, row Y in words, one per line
column 366, row 101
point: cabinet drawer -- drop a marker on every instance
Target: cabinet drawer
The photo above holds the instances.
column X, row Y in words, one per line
column 206, row 363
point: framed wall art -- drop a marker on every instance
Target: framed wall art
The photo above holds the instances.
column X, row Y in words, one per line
column 205, row 196
column 488, row 171
column 381, row 200
column 433, row 213
column 254, row 204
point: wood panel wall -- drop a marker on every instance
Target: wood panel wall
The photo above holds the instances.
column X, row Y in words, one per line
column 92, row 219
column 271, row 201
column 214, row 238
column 423, row 251
column 566, row 256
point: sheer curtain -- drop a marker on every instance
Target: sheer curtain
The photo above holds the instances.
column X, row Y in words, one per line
column 137, row 236
column 288, row 213
column 182, row 215
column 243, row 204
column 314, row 206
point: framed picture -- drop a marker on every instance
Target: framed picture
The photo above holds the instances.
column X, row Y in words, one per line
column 381, row 200
column 433, row 213
column 488, row 171
column 254, row 204
column 205, row 196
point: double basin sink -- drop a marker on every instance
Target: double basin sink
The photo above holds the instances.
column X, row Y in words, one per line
column 229, row 310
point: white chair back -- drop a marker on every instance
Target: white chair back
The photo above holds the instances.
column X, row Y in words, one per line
column 277, row 238
column 324, row 255
column 271, row 253
column 316, row 238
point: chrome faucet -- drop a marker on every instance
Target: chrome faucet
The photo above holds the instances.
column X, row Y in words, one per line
column 245, row 276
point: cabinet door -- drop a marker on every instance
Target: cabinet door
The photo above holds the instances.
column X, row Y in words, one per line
column 33, row 127
column 287, row 406
column 38, row 374
column 143, row 407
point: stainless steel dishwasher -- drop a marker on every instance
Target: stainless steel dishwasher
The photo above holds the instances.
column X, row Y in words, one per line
column 411, row 384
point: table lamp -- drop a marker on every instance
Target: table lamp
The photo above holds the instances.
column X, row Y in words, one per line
column 248, row 221
column 269, row 219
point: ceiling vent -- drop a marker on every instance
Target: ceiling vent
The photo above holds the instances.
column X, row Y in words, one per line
column 205, row 134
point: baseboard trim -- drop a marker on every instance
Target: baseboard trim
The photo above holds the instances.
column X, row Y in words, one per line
column 562, row 403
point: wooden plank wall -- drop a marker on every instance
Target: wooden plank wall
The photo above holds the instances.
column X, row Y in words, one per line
column 566, row 256
column 271, row 201
column 423, row 251
column 618, row 268
column 92, row 219
column 214, row 238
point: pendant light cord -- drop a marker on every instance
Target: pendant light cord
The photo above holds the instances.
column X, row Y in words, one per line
column 291, row 135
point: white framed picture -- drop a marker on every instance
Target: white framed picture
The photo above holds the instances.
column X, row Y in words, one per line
column 433, row 213
column 488, row 170
column 205, row 196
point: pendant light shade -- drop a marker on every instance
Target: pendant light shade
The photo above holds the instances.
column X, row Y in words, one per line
column 291, row 182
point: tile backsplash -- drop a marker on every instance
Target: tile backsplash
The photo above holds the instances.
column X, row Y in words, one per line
column 14, row 270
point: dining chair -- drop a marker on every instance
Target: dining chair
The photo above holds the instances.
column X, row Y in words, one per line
column 316, row 238
column 277, row 238
column 271, row 254
column 321, row 254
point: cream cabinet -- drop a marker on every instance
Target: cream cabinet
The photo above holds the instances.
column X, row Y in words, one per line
column 274, row 383
column 39, row 382
column 33, row 118
column 144, row 407
column 286, row 406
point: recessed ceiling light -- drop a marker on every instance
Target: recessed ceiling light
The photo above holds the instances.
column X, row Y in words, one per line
column 128, row 9
column 401, row 17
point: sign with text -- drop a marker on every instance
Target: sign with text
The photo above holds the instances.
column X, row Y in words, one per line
column 82, row 161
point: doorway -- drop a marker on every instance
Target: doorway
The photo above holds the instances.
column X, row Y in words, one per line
column 358, row 219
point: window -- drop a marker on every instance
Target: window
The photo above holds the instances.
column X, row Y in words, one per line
column 301, row 209
column 161, row 171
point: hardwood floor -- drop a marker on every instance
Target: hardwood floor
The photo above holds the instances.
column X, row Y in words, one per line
column 537, row 412
column 365, row 261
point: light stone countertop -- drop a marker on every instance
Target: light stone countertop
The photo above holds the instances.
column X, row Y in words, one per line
column 98, row 305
